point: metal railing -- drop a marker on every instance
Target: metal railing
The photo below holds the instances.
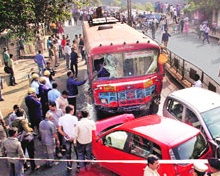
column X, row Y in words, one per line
column 184, row 71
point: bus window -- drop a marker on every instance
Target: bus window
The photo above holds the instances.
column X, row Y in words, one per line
column 119, row 65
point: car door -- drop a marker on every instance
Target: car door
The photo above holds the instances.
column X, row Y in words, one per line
column 113, row 146
column 139, row 149
column 173, row 109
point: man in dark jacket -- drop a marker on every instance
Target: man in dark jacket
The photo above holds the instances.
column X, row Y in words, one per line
column 74, row 61
column 34, row 108
column 72, row 86
column 43, row 91
column 165, row 38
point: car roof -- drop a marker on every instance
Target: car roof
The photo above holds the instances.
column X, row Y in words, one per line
column 200, row 98
column 165, row 130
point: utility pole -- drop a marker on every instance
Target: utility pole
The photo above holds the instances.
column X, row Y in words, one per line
column 129, row 12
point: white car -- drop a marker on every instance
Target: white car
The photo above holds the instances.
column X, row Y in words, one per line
column 197, row 107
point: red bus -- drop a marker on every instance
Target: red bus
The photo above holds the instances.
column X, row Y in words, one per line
column 123, row 64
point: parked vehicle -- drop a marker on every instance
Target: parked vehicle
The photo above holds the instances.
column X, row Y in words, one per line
column 136, row 139
column 198, row 107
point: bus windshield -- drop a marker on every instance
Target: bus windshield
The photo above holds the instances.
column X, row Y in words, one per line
column 126, row 64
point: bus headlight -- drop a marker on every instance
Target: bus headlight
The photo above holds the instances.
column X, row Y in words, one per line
column 104, row 101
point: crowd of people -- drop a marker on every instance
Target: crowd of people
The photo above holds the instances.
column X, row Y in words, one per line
column 52, row 116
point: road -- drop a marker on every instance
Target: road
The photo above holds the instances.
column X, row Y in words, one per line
column 19, row 92
column 191, row 48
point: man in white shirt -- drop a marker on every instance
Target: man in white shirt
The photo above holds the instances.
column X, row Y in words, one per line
column 67, row 128
column 67, row 52
column 48, row 84
column 152, row 166
column 62, row 102
column 206, row 37
column 84, row 137
column 197, row 82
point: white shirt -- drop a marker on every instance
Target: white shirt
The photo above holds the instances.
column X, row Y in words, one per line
column 68, row 122
column 207, row 29
column 48, row 84
column 198, row 83
column 84, row 130
column 59, row 42
column 61, row 103
column 149, row 172
column 67, row 50
column 35, row 85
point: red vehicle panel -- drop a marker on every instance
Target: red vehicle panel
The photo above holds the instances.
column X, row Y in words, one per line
column 138, row 138
column 123, row 66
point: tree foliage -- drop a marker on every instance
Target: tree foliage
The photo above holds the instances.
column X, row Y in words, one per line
column 208, row 5
column 116, row 3
column 23, row 16
column 149, row 6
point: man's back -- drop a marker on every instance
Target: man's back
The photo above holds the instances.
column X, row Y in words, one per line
column 47, row 129
column 68, row 122
column 11, row 147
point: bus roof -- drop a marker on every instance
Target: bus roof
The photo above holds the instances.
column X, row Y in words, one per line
column 113, row 34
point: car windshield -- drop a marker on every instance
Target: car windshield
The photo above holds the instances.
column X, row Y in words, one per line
column 191, row 149
column 212, row 121
column 118, row 65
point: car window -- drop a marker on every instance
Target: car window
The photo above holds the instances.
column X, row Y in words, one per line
column 176, row 109
column 142, row 147
column 191, row 149
column 192, row 119
column 116, row 139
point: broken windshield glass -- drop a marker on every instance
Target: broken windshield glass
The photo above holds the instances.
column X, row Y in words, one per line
column 118, row 65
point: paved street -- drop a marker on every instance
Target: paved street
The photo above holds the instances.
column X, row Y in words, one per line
column 15, row 95
column 205, row 56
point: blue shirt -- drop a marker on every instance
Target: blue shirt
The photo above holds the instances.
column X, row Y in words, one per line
column 53, row 95
column 39, row 59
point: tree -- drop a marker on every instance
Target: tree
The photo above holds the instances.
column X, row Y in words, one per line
column 149, row 6
column 22, row 17
column 207, row 5
column 116, row 3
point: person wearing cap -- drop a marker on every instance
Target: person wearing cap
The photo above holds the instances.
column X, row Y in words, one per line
column 214, row 164
column 43, row 91
column 39, row 59
column 200, row 169
column 35, row 83
column 51, row 70
column 47, row 79
column 72, row 86
column 34, row 108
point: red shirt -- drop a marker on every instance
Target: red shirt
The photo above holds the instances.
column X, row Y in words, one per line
column 63, row 43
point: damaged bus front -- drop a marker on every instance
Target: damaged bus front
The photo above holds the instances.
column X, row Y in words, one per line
column 124, row 76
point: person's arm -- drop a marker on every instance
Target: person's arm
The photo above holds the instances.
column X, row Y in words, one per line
column 57, row 139
column 3, row 150
column 60, row 130
column 77, row 83
column 25, row 126
column 1, row 84
column 20, row 151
